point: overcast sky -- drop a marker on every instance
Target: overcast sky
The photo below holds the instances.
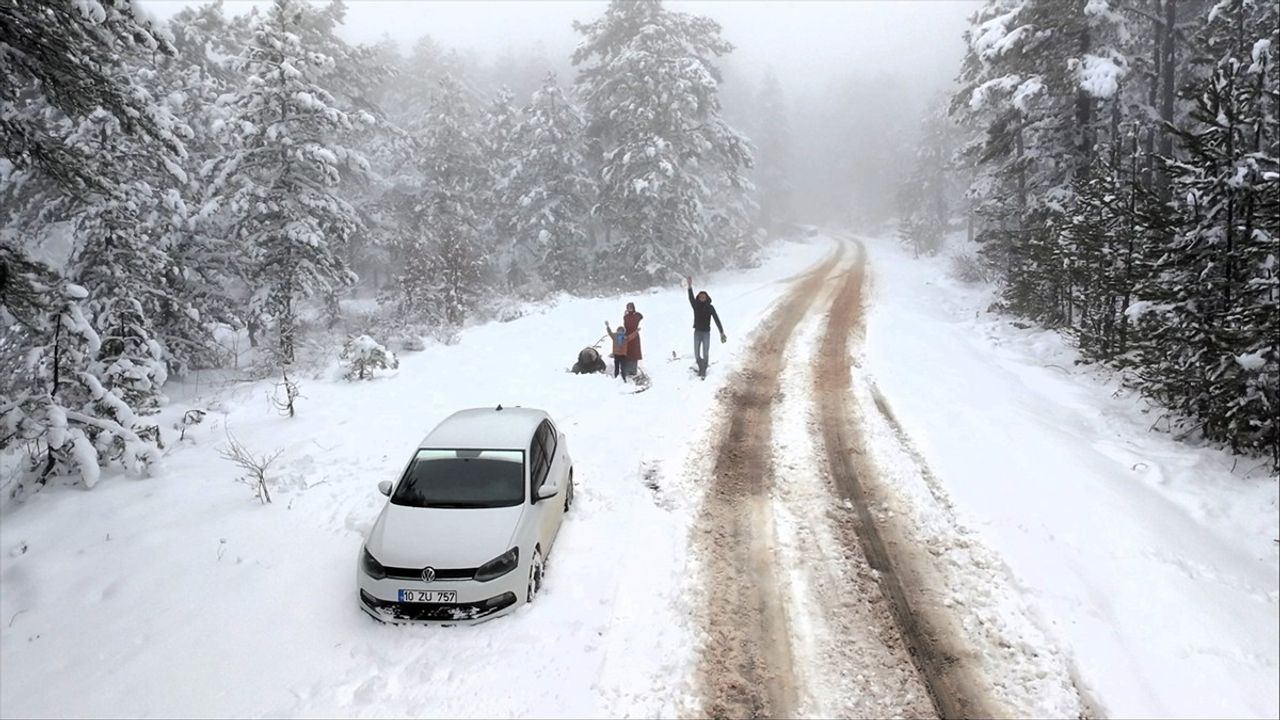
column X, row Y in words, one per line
column 915, row 39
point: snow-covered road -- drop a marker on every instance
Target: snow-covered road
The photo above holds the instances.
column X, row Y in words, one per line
column 837, row 608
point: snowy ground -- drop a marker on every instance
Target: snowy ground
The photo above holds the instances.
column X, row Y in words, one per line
column 1153, row 564
column 179, row 595
column 1077, row 546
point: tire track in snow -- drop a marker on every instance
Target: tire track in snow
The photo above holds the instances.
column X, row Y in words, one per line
column 851, row 660
column 746, row 665
column 935, row 651
column 976, row 643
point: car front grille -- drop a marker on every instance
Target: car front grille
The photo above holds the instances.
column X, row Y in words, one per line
column 441, row 573
column 439, row 612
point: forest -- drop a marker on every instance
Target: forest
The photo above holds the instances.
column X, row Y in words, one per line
column 165, row 185
column 1116, row 166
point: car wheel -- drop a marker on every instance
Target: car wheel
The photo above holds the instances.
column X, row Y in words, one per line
column 568, row 494
column 535, row 574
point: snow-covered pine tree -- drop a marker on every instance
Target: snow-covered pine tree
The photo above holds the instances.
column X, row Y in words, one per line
column 496, row 142
column 650, row 89
column 549, row 192
column 70, row 424
column 772, row 171
column 926, row 198
column 444, row 253
column 363, row 356
column 419, row 79
column 72, row 70
column 65, row 62
column 279, row 184
column 203, row 286
column 1032, row 78
column 121, row 256
column 66, row 59
column 1213, row 338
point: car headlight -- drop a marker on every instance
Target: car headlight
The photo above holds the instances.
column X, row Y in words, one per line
column 499, row 566
column 372, row 567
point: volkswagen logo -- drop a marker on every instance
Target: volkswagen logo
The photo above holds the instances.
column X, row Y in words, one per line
column 428, row 574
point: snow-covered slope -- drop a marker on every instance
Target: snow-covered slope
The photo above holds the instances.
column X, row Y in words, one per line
column 180, row 595
column 1153, row 563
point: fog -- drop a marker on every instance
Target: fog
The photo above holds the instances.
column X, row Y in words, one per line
column 855, row 75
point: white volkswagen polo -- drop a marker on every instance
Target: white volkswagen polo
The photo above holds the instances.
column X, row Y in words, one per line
column 467, row 528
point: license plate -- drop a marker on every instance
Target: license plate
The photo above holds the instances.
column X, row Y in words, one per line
column 428, row 596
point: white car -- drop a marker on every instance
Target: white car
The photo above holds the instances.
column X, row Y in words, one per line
column 467, row 528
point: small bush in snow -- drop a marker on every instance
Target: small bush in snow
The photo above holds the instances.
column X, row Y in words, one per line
column 968, row 267
column 363, row 356
column 254, row 466
column 412, row 343
column 191, row 417
column 444, row 334
column 286, row 394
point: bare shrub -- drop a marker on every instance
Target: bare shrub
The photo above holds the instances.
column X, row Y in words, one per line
column 190, row 418
column 287, row 392
column 968, row 266
column 254, row 466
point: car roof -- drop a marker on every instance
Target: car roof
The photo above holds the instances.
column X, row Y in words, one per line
column 486, row 428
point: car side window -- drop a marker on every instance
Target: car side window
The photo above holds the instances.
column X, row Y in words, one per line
column 537, row 464
column 547, row 433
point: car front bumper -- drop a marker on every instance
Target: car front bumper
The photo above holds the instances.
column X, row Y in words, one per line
column 476, row 601
column 393, row 611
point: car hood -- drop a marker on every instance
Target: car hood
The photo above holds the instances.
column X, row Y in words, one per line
column 410, row 537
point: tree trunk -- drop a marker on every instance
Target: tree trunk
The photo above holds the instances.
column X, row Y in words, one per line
column 1167, row 83
column 1084, row 114
column 1153, row 95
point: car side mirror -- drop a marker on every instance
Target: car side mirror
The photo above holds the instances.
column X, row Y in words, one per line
column 384, row 487
column 546, row 492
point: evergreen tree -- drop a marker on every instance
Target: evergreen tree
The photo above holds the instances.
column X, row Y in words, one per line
column 84, row 142
column 772, row 138
column 1031, row 83
column 67, row 59
column 445, row 260
column 496, row 142
column 279, row 186
column 70, row 423
column 925, row 200
column 123, row 236
column 549, row 192
column 203, row 284
column 650, row 89
column 1214, row 345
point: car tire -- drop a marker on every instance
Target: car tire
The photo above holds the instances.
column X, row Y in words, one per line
column 568, row 494
column 536, row 568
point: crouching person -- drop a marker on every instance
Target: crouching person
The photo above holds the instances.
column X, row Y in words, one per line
column 589, row 361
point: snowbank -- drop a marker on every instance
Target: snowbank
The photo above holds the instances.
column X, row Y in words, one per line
column 1152, row 562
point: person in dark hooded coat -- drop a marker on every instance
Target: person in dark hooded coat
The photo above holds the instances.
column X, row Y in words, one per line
column 703, row 313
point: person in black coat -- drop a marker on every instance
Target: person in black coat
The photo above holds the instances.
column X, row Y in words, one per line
column 703, row 313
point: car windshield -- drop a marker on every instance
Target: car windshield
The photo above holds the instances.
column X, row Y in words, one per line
column 462, row 479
